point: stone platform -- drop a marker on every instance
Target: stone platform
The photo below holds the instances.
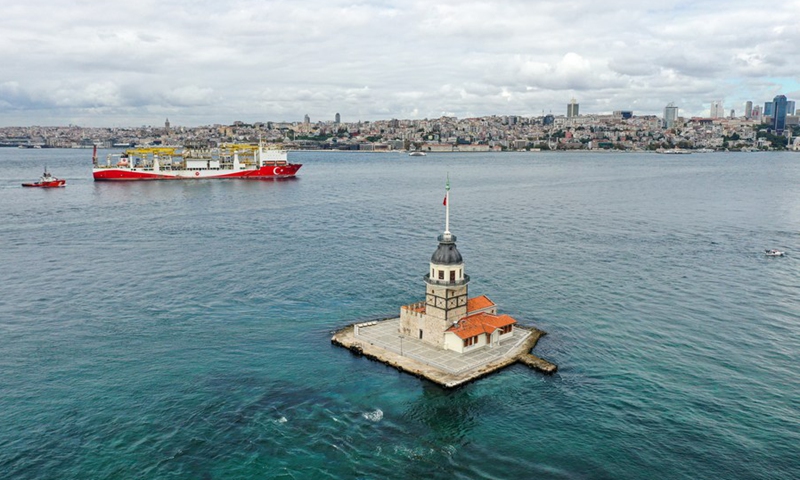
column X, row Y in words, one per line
column 380, row 340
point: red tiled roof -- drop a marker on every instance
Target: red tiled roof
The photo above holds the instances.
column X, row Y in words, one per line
column 498, row 321
column 480, row 323
column 478, row 303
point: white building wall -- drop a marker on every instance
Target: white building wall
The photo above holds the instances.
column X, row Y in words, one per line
column 453, row 342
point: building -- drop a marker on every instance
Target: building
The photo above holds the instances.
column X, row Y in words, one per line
column 572, row 108
column 757, row 113
column 717, row 109
column 306, row 119
column 337, row 119
column 670, row 115
column 448, row 318
column 769, row 108
column 779, row 114
column 748, row 110
column 790, row 107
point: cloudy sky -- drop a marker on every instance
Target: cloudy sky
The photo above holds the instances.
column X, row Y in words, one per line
column 198, row 62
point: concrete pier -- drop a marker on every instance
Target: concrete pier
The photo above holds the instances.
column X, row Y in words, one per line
column 380, row 340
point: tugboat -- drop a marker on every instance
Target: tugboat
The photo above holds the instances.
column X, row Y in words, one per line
column 774, row 253
column 46, row 181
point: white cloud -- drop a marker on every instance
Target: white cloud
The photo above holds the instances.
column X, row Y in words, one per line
column 214, row 62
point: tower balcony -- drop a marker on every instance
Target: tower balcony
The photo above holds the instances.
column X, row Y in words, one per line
column 446, row 283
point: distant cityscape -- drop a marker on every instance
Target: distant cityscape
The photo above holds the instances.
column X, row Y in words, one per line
column 773, row 126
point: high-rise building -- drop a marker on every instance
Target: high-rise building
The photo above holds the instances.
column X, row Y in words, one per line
column 769, row 108
column 717, row 109
column 572, row 108
column 757, row 113
column 306, row 119
column 670, row 115
column 733, row 113
column 779, row 114
column 337, row 120
column 748, row 109
column 790, row 107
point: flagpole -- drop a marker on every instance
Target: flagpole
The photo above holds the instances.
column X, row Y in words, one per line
column 447, row 207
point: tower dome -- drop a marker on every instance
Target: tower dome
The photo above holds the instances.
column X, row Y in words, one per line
column 447, row 264
column 447, row 253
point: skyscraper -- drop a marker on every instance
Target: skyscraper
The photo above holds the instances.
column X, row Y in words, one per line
column 790, row 107
column 337, row 120
column 572, row 108
column 769, row 107
column 670, row 115
column 717, row 109
column 757, row 113
column 748, row 109
column 779, row 114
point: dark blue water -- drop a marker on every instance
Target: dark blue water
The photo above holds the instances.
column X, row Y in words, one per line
column 182, row 329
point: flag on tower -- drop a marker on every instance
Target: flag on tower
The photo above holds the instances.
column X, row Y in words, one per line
column 445, row 201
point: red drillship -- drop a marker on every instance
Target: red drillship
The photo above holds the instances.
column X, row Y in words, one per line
column 46, row 181
column 182, row 163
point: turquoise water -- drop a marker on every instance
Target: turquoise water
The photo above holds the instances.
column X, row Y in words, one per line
column 182, row 329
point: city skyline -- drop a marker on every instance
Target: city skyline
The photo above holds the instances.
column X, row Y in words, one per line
column 203, row 63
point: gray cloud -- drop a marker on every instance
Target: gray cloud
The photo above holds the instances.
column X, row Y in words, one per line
column 215, row 62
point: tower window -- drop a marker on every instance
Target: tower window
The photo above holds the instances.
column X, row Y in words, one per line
column 441, row 274
column 452, row 275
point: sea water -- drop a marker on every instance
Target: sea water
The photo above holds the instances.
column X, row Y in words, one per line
column 182, row 329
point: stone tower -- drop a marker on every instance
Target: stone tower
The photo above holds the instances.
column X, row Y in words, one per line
column 445, row 290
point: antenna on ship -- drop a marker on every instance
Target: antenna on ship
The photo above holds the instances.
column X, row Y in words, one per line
column 260, row 152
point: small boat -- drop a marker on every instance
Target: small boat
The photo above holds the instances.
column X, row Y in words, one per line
column 773, row 253
column 46, row 181
column 673, row 151
column 416, row 153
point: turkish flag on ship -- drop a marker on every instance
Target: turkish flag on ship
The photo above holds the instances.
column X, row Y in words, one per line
column 445, row 201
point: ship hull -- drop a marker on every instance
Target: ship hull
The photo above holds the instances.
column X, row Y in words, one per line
column 48, row 184
column 133, row 174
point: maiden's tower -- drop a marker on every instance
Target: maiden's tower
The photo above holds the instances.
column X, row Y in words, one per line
column 448, row 318
column 448, row 338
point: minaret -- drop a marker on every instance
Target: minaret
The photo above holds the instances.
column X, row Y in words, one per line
column 446, row 284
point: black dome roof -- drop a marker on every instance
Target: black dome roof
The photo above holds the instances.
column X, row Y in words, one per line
column 447, row 253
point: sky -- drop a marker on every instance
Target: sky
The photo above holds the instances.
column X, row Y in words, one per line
column 116, row 64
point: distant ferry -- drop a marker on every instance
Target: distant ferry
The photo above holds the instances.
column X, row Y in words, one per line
column 246, row 161
column 416, row 153
column 673, row 151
